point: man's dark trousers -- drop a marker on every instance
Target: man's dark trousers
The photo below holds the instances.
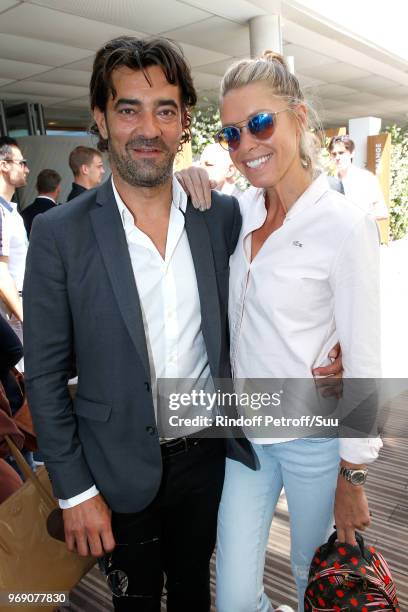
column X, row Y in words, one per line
column 175, row 533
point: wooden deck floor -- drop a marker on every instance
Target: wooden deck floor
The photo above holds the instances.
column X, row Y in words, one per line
column 387, row 490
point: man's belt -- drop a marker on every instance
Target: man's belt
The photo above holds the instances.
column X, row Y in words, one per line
column 183, row 444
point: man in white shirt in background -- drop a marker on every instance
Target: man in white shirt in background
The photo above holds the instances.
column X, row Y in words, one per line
column 358, row 185
column 13, row 237
column 221, row 171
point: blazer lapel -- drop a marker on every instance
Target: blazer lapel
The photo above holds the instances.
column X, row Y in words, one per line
column 201, row 250
column 111, row 240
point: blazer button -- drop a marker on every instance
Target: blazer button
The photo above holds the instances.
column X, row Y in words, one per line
column 151, row 430
column 147, row 386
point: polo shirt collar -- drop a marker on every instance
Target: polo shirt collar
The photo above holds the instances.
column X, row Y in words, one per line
column 310, row 197
column 254, row 202
column 7, row 205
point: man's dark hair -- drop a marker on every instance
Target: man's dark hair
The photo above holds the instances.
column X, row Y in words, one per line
column 139, row 54
column 346, row 140
column 47, row 181
column 6, row 144
column 81, row 155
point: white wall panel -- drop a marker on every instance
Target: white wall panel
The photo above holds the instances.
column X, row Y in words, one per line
column 52, row 89
column 25, row 49
column 46, row 24
column 217, row 34
column 151, row 16
column 10, row 69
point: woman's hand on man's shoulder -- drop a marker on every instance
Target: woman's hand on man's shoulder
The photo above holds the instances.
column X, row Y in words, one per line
column 196, row 183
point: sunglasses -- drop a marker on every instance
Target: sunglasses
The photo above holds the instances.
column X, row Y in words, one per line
column 21, row 162
column 260, row 125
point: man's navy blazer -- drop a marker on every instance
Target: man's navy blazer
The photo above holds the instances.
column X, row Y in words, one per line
column 80, row 298
column 76, row 190
column 39, row 206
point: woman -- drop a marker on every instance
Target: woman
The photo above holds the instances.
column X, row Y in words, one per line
column 303, row 276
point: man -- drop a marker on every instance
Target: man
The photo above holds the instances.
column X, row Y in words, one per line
column 13, row 238
column 49, row 190
column 358, row 185
column 220, row 169
column 87, row 167
column 135, row 279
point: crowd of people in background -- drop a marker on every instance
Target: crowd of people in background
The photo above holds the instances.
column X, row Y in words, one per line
column 15, row 228
column 15, row 224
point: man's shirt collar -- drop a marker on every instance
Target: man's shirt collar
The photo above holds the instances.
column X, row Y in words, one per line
column 179, row 199
column 7, row 205
column 44, row 197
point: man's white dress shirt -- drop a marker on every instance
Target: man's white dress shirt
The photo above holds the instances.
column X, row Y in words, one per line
column 315, row 281
column 363, row 188
column 170, row 305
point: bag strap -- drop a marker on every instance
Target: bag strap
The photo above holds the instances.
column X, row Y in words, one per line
column 360, row 541
column 30, row 475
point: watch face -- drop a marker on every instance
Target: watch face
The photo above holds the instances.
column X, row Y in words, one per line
column 358, row 477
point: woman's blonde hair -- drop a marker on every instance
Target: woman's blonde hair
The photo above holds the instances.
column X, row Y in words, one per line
column 272, row 69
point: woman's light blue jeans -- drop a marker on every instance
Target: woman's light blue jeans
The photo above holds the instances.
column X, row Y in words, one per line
column 307, row 470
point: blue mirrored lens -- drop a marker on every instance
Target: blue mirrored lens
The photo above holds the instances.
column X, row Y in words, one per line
column 260, row 123
column 230, row 136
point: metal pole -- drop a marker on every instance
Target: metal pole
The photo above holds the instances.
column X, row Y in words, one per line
column 41, row 119
column 3, row 122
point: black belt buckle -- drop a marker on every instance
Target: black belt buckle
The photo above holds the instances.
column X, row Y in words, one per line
column 175, row 447
column 179, row 445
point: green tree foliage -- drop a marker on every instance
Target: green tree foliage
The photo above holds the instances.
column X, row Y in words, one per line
column 398, row 181
column 206, row 122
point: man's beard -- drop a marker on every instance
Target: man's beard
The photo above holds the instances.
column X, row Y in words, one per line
column 144, row 172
